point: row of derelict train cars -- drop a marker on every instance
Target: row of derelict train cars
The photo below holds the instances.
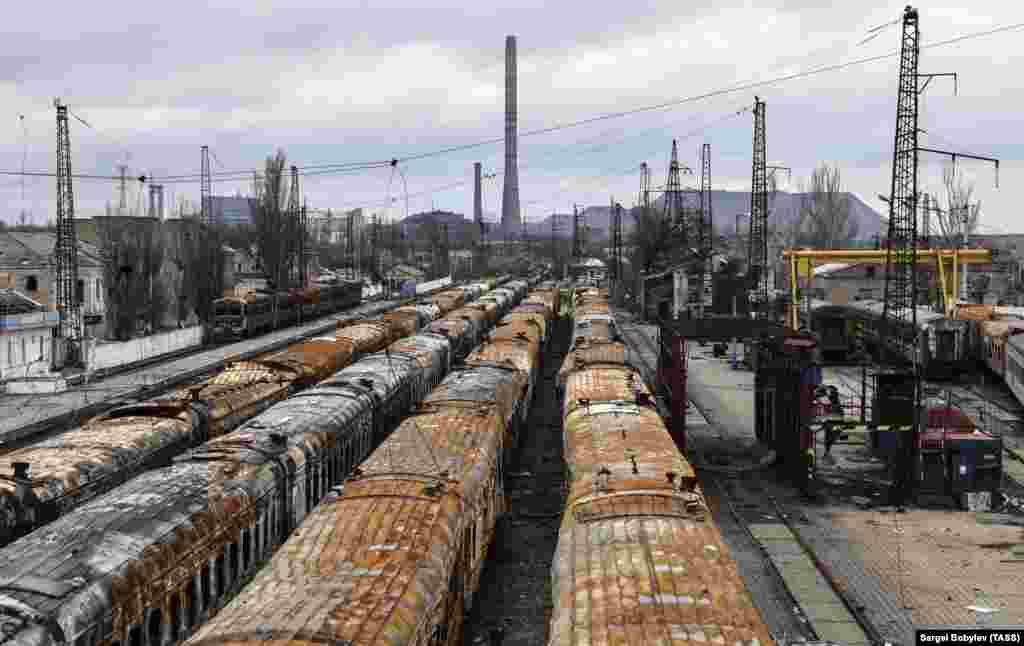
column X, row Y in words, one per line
column 357, row 507
column 948, row 347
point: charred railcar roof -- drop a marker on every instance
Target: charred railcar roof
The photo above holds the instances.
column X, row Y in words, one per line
column 595, row 384
column 590, row 353
column 70, row 570
column 480, row 384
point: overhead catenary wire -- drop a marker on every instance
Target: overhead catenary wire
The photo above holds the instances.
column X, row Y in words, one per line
column 741, row 87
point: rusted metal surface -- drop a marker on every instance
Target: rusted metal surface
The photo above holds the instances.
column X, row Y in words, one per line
column 161, row 553
column 368, row 336
column 397, row 555
column 598, row 384
column 540, row 317
column 488, row 308
column 401, row 324
column 594, row 327
column 463, row 327
column 590, row 353
column 68, row 470
column 549, row 298
column 638, row 559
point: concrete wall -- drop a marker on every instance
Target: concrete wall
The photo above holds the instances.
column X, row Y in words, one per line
column 102, row 356
column 36, row 386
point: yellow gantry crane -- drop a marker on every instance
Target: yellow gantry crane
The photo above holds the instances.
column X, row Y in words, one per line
column 802, row 261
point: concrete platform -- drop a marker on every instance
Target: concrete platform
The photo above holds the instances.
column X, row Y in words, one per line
column 24, row 415
column 720, row 428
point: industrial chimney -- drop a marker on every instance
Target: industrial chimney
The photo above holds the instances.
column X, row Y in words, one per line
column 478, row 205
column 510, row 221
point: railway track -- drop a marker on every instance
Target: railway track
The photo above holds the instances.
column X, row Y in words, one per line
column 982, row 401
column 737, row 500
column 514, row 599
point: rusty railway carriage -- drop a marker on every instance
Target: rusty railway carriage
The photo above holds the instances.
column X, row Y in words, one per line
column 243, row 316
column 587, row 353
column 84, row 462
column 638, row 559
column 394, row 556
column 947, row 347
column 147, row 563
column 75, row 467
column 464, row 327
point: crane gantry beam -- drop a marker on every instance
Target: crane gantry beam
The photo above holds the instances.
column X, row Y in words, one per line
column 801, row 261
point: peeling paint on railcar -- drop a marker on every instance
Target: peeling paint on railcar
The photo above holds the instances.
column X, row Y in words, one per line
column 589, row 353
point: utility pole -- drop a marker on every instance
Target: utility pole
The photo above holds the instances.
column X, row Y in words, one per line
column 291, row 227
column 757, row 245
column 899, row 311
column 123, row 204
column 444, row 264
column 674, row 199
column 159, row 200
column 705, row 227
column 303, row 223
column 70, row 327
column 577, row 233
column 205, row 189
column 616, row 269
column 350, row 245
column 375, row 260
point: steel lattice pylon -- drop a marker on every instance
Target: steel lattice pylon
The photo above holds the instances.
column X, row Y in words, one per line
column 303, row 223
column 674, row 213
column 757, row 252
column 616, row 269
column 577, row 232
column 706, row 227
column 66, row 251
column 899, row 311
column 205, row 188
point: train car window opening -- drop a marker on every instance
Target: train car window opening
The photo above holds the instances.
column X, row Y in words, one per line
column 234, row 562
column 204, row 582
column 219, row 572
column 154, row 628
column 175, row 611
column 135, row 636
column 192, row 599
column 246, row 549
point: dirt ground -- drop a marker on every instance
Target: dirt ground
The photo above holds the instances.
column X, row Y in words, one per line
column 948, row 560
column 513, row 604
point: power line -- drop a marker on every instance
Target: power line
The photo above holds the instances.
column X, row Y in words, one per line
column 342, row 167
column 714, row 93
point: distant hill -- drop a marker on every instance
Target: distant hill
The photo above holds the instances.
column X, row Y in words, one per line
column 725, row 206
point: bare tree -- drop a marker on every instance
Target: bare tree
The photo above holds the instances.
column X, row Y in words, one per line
column 651, row 238
column 201, row 263
column 960, row 215
column 276, row 233
column 135, row 296
column 825, row 220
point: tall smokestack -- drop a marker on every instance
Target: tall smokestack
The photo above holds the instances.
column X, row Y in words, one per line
column 478, row 205
column 510, row 220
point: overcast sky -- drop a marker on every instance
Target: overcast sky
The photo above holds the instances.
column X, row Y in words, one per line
column 336, row 82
